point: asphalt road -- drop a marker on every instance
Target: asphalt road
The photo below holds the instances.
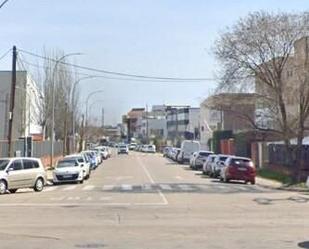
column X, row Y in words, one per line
column 145, row 201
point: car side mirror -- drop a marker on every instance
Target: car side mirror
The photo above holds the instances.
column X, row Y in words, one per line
column 9, row 169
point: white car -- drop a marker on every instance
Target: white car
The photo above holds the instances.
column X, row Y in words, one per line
column 103, row 150
column 123, row 149
column 151, row 148
column 83, row 163
column 21, row 172
column 68, row 170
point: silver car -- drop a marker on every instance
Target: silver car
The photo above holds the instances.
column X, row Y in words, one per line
column 21, row 172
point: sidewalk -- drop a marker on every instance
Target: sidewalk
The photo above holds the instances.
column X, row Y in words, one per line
column 271, row 184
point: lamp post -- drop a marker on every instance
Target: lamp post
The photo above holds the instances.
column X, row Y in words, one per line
column 88, row 97
column 53, row 104
column 72, row 104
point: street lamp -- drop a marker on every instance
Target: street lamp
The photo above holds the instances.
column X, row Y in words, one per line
column 72, row 104
column 91, row 105
column 53, row 104
column 88, row 97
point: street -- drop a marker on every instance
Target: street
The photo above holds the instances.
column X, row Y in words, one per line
column 147, row 201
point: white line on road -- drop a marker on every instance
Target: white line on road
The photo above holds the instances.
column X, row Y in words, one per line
column 49, row 189
column 69, row 188
column 185, row 187
column 165, row 187
column 108, row 187
column 147, row 187
column 165, row 201
column 88, row 187
column 126, row 187
column 76, row 198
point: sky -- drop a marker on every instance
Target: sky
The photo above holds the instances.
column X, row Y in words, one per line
column 166, row 38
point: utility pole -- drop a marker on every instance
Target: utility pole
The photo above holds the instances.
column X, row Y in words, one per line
column 12, row 102
column 81, row 141
column 102, row 118
column 147, row 128
column 65, row 138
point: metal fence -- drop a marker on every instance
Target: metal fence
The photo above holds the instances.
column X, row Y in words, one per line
column 277, row 155
column 39, row 148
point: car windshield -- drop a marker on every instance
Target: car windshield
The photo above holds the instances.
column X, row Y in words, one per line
column 204, row 153
column 123, row 147
column 242, row 162
column 3, row 164
column 67, row 163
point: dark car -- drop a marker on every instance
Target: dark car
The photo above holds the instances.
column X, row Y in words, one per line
column 238, row 168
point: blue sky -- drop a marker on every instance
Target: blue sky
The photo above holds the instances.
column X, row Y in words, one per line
column 153, row 37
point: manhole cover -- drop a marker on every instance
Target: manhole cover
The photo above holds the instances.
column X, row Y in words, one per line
column 304, row 244
column 90, row 245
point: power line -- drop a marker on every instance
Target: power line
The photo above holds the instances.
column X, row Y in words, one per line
column 118, row 73
column 3, row 3
column 5, row 54
column 102, row 76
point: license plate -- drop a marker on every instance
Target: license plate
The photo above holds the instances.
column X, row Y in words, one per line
column 67, row 176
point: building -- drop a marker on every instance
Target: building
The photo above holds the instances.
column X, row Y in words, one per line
column 295, row 74
column 182, row 123
column 27, row 109
column 131, row 120
column 226, row 111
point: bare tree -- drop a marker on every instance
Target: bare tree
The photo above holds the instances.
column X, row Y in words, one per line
column 261, row 47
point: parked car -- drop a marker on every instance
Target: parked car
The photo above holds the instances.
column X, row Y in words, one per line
column 82, row 161
column 68, row 170
column 132, row 146
column 150, row 148
column 20, row 172
column 91, row 158
column 175, row 154
column 123, row 149
column 238, row 168
column 207, row 166
column 188, row 147
column 217, row 165
column 198, row 158
column 166, row 151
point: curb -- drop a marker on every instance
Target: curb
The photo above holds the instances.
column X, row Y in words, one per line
column 301, row 190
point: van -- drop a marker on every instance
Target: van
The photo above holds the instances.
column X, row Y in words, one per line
column 21, row 172
column 188, row 147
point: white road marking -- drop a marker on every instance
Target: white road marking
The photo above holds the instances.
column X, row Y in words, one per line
column 126, row 187
column 178, row 177
column 76, row 198
column 146, row 187
column 165, row 201
column 59, row 198
column 185, row 187
column 49, row 189
column 88, row 187
column 105, row 198
column 240, row 188
column 108, row 187
column 69, row 188
column 165, row 187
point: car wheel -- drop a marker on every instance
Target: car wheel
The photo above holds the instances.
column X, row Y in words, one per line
column 3, row 187
column 12, row 191
column 81, row 181
column 39, row 185
column 226, row 179
column 252, row 182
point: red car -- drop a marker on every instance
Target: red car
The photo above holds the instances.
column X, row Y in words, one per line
column 238, row 168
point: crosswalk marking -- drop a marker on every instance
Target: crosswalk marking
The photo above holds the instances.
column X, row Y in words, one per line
column 49, row 189
column 108, row 187
column 88, row 187
column 165, row 187
column 126, row 187
column 185, row 187
column 70, row 188
column 76, row 198
column 146, row 187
